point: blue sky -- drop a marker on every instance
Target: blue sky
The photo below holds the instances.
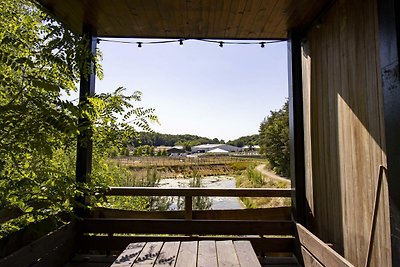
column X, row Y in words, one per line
column 200, row 88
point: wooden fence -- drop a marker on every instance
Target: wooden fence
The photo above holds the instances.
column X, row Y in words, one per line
column 271, row 229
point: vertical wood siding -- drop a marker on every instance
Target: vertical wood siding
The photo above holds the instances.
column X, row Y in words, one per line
column 344, row 144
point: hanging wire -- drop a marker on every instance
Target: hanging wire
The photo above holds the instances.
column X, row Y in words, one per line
column 180, row 41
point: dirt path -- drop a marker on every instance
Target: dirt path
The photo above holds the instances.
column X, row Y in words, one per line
column 261, row 168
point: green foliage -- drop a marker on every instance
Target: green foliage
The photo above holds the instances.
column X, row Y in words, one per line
column 240, row 165
column 251, row 178
column 198, row 202
column 158, row 139
column 274, row 140
column 254, row 176
column 151, row 179
column 250, row 140
column 146, row 151
column 40, row 61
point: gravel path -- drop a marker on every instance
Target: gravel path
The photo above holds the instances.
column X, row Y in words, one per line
column 261, row 168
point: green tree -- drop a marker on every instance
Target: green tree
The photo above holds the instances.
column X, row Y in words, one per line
column 250, row 140
column 274, row 140
column 40, row 61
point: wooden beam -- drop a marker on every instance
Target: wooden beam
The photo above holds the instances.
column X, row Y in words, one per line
column 173, row 226
column 191, row 192
column 84, row 142
column 309, row 260
column 319, row 250
column 389, row 43
column 296, row 126
column 188, row 208
column 279, row 213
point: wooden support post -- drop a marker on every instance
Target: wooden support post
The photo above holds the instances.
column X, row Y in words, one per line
column 389, row 38
column 188, row 208
column 296, row 126
column 84, row 142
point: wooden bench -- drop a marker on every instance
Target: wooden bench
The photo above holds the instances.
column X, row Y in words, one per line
column 208, row 253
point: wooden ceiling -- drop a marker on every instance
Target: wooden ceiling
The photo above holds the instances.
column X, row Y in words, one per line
column 218, row 19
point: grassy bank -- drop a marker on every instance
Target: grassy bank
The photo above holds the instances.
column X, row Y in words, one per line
column 251, row 178
column 168, row 167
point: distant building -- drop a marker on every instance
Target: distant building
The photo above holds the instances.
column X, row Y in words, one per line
column 207, row 147
column 218, row 151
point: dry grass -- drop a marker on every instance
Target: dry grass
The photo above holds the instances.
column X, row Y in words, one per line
column 251, row 178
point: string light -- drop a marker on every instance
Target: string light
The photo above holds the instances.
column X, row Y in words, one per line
column 180, row 41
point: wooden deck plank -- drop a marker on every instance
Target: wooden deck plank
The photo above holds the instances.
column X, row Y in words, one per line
column 168, row 254
column 245, row 254
column 207, row 254
column 129, row 255
column 187, row 255
column 149, row 254
column 226, row 254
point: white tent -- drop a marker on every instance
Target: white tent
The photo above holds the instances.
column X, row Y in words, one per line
column 217, row 151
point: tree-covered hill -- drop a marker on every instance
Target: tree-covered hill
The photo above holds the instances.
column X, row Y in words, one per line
column 159, row 139
column 249, row 140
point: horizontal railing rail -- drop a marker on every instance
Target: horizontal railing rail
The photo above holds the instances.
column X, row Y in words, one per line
column 189, row 193
column 192, row 192
column 188, row 227
column 276, row 213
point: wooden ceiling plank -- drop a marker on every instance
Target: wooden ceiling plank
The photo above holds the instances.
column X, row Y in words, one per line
column 223, row 26
column 204, row 16
column 277, row 16
column 263, row 21
column 237, row 14
column 194, row 18
column 256, row 14
column 216, row 7
column 165, row 16
column 149, row 16
column 112, row 23
column 222, row 19
column 253, row 10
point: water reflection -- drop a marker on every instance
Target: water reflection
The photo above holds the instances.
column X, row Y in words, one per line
column 217, row 203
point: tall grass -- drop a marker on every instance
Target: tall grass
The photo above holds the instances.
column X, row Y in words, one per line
column 198, row 202
column 144, row 203
column 251, row 178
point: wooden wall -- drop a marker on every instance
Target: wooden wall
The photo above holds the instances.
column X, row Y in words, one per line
column 344, row 133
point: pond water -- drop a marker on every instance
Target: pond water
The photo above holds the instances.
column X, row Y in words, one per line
column 217, row 203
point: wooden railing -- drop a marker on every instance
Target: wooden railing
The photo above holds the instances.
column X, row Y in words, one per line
column 271, row 229
column 189, row 193
column 314, row 252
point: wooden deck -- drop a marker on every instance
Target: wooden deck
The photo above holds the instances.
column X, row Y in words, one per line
column 207, row 253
